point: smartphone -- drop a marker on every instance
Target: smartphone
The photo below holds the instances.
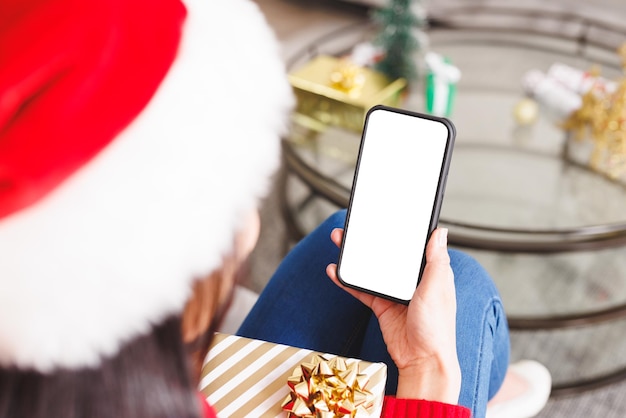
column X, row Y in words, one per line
column 396, row 197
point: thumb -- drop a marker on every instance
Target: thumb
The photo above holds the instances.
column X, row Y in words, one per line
column 437, row 270
column 437, row 248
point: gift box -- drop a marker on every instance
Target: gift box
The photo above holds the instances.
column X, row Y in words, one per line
column 334, row 91
column 441, row 81
column 242, row 377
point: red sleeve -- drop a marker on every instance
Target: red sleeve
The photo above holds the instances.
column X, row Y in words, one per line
column 207, row 410
column 414, row 408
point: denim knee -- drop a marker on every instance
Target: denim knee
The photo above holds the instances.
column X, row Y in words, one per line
column 477, row 295
column 471, row 278
column 483, row 343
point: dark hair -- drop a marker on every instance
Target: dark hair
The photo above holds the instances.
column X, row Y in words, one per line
column 148, row 378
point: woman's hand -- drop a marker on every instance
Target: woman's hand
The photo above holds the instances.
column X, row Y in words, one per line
column 420, row 337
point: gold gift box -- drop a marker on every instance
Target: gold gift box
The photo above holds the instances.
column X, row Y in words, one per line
column 322, row 101
column 242, row 377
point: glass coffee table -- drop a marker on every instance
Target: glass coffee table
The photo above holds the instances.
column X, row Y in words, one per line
column 551, row 231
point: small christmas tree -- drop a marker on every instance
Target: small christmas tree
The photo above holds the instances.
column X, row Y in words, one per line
column 401, row 23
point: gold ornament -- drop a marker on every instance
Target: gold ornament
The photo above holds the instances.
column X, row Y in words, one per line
column 602, row 117
column 526, row 111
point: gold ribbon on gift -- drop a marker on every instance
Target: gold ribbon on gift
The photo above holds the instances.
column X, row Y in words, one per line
column 348, row 77
column 324, row 388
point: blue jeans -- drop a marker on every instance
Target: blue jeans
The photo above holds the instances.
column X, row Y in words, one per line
column 302, row 307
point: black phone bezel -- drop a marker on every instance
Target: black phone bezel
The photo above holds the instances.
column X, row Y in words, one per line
column 437, row 203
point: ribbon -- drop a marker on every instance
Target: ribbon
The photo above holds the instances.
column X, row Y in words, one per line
column 325, row 388
column 348, row 77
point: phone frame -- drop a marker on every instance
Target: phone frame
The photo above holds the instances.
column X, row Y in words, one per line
column 437, row 202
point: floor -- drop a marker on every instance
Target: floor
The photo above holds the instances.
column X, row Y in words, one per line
column 296, row 23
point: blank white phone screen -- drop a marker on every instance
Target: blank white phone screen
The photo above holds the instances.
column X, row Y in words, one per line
column 392, row 203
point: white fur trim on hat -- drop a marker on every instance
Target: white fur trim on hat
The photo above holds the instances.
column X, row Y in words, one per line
column 115, row 248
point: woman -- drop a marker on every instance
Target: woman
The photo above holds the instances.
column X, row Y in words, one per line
column 134, row 137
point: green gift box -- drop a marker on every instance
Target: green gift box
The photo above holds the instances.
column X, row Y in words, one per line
column 441, row 80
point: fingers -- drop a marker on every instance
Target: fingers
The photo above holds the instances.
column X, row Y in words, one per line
column 331, row 271
column 336, row 236
column 437, row 271
column 436, row 250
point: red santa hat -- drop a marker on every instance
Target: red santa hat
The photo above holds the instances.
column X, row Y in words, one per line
column 134, row 137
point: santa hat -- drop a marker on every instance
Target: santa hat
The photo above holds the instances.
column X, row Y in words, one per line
column 134, row 137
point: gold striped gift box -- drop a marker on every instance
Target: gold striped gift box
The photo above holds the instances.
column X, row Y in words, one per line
column 242, row 377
